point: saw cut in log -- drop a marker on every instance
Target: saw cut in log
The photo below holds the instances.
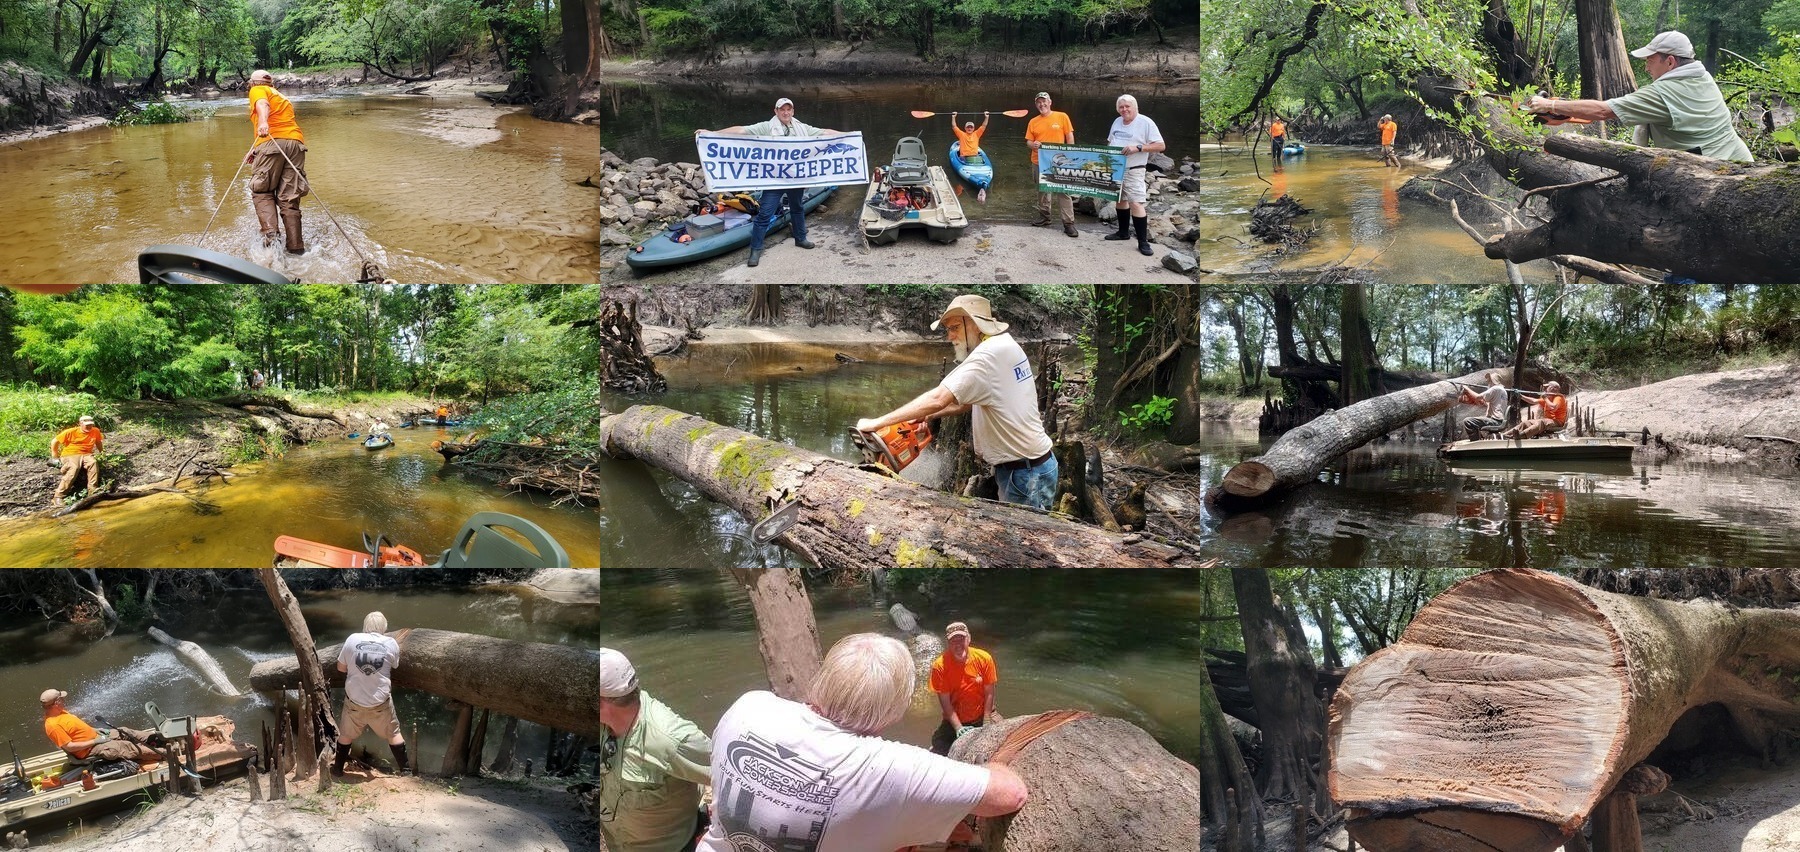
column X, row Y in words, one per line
column 851, row 518
column 1297, row 457
column 1096, row 784
column 553, row 685
column 1518, row 700
column 215, row 675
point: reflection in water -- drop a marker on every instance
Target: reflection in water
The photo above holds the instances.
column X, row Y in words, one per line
column 1124, row 645
column 440, row 189
column 330, row 492
column 1360, row 215
column 640, row 119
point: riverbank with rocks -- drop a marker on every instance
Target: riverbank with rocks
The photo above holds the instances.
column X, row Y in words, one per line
column 640, row 198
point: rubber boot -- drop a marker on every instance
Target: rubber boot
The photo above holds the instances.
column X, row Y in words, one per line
column 343, row 753
column 266, row 217
column 400, row 759
column 290, row 226
column 1124, row 232
column 1141, row 224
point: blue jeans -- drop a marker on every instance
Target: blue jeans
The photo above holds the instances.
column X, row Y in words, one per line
column 1033, row 486
column 769, row 206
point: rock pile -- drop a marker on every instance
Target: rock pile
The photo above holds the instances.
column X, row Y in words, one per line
column 643, row 195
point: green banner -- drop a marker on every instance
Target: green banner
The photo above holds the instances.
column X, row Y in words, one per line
column 1095, row 170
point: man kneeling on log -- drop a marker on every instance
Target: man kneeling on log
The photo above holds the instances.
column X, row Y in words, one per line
column 818, row 776
column 995, row 383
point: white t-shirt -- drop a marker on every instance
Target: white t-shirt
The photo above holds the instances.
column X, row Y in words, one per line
column 1141, row 131
column 369, row 660
column 1495, row 397
column 788, row 780
column 997, row 380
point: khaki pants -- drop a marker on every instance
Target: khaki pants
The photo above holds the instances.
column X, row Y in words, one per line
column 119, row 748
column 1067, row 202
column 382, row 720
column 275, row 186
column 72, row 466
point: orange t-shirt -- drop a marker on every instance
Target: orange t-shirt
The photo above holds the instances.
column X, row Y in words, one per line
column 64, row 728
column 970, row 140
column 1278, row 129
column 1055, row 128
column 442, row 411
column 1555, row 407
column 281, row 114
column 965, row 684
column 76, row 441
column 1388, row 129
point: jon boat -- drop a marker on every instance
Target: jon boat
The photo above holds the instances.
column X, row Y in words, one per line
column 486, row 540
column 978, row 171
column 1589, row 448
column 204, row 744
column 911, row 195
column 378, row 442
column 712, row 235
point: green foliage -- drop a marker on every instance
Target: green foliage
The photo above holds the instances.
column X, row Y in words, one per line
column 1158, row 413
column 130, row 609
column 114, row 344
column 561, row 417
column 32, row 409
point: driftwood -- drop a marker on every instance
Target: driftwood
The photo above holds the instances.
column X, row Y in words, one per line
column 1518, row 700
column 317, row 728
column 1097, row 785
column 852, row 518
column 553, row 685
column 624, row 367
column 1270, row 222
column 201, row 660
column 250, row 401
column 552, row 470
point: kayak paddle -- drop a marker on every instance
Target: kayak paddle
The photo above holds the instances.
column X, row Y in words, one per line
column 1011, row 113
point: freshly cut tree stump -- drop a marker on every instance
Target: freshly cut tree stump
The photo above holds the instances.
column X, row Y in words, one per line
column 851, row 518
column 1518, row 700
column 1095, row 785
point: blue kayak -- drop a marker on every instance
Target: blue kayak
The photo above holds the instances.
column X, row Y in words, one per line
column 378, row 442
column 1293, row 150
column 979, row 171
column 662, row 250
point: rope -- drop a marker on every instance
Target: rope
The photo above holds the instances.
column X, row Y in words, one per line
column 227, row 192
column 1018, row 738
column 369, row 268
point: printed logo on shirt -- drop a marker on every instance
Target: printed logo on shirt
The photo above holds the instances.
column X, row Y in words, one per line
column 1022, row 371
column 371, row 657
column 770, row 790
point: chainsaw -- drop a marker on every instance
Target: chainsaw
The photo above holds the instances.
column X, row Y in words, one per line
column 893, row 447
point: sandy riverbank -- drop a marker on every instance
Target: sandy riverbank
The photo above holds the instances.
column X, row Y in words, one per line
column 1709, row 409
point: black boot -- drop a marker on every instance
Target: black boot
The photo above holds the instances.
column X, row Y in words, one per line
column 343, row 753
column 1141, row 224
column 400, row 759
column 1124, row 232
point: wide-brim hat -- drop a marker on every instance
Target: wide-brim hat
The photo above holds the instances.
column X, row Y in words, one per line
column 975, row 308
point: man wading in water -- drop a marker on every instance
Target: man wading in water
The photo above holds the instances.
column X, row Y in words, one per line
column 278, row 163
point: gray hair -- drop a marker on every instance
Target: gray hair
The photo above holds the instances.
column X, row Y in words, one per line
column 374, row 622
column 865, row 683
column 1126, row 99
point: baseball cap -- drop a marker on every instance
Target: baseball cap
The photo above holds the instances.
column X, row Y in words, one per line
column 783, row 102
column 50, row 695
column 1671, row 42
column 1044, row 95
column 617, row 677
column 86, row 418
column 956, row 629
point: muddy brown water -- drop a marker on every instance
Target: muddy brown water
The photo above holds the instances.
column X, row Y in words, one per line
column 113, row 676
column 1388, row 504
column 438, row 189
column 331, row 491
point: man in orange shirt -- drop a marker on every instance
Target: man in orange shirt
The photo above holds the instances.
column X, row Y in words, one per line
column 968, row 137
column 1552, row 413
column 82, row 742
column 1277, row 137
column 278, row 173
column 1056, row 128
column 963, row 678
column 1388, row 129
column 77, row 446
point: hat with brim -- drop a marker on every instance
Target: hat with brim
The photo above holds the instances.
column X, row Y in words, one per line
column 1671, row 42
column 955, row 629
column 85, row 419
column 976, row 308
column 617, row 677
column 50, row 696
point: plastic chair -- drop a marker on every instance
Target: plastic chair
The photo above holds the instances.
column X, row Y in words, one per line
column 909, row 166
column 480, row 544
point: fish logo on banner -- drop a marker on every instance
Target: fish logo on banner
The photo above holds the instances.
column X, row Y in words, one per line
column 734, row 163
column 1096, row 171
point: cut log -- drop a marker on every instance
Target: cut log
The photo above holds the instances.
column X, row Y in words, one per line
column 1518, row 700
column 316, row 724
column 787, row 634
column 201, row 660
column 851, row 518
column 1297, row 457
column 1096, row 785
column 553, row 685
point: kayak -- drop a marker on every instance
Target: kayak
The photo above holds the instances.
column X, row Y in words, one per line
column 663, row 250
column 979, row 171
column 51, row 790
column 378, row 442
column 1591, row 448
column 177, row 264
column 1292, row 150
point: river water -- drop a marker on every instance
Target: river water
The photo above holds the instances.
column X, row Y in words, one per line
column 112, row 676
column 330, row 491
column 1123, row 645
column 1392, row 504
column 1361, row 218
column 439, row 189
column 658, row 119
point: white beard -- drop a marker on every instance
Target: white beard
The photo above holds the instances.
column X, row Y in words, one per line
column 961, row 344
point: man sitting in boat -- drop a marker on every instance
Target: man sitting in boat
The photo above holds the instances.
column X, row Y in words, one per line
column 1494, row 398
column 969, row 137
column 379, row 430
column 82, row 742
column 1552, row 409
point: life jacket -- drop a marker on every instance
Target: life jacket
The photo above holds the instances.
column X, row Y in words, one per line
column 743, row 202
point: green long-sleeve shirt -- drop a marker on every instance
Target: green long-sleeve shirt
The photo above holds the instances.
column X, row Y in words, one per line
column 650, row 791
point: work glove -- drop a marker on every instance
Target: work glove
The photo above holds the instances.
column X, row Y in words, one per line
column 964, row 730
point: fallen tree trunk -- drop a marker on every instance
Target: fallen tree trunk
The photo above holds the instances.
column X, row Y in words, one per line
column 244, row 400
column 201, row 660
column 1297, row 457
column 1097, row 785
column 553, row 685
column 1518, row 700
column 851, row 518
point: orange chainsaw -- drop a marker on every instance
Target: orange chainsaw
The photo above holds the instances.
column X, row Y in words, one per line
column 893, row 447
